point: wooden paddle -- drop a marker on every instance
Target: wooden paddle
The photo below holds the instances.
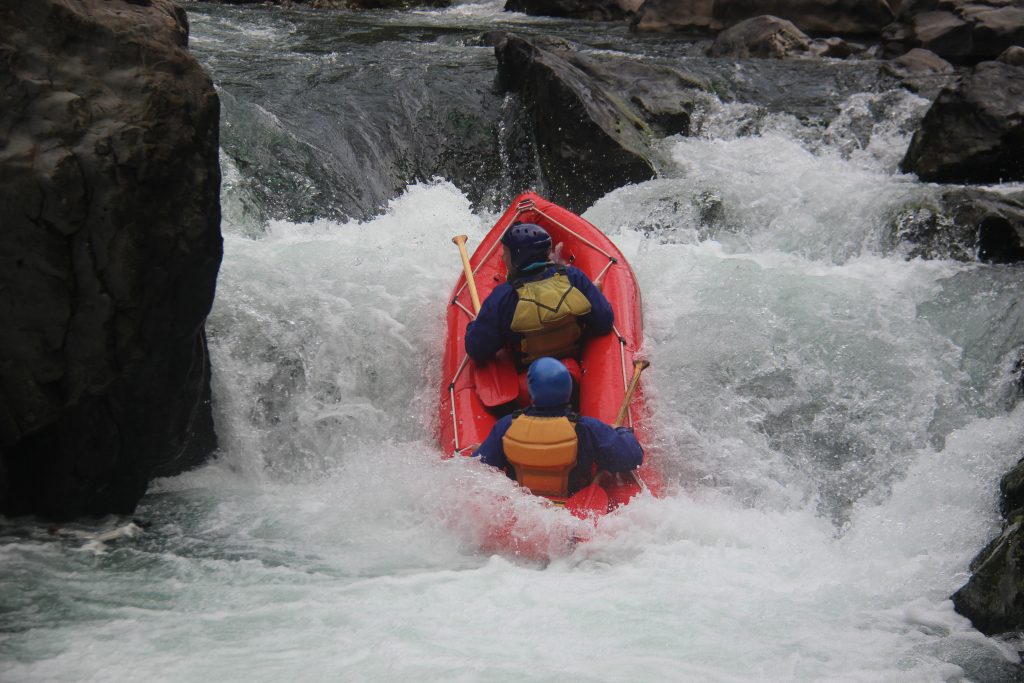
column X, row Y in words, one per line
column 592, row 500
column 496, row 379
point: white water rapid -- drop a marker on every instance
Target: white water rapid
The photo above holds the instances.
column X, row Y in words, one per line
column 832, row 418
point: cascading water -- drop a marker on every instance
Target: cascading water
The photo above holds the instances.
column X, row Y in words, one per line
column 832, row 417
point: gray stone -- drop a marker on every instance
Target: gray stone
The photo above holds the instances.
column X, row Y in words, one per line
column 974, row 131
column 828, row 17
column 109, row 250
column 966, row 224
column 593, row 119
column 993, row 598
column 761, row 37
column 961, row 31
column 675, row 15
column 594, row 10
column 1013, row 55
column 918, row 61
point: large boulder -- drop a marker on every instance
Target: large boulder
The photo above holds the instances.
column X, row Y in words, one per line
column 918, row 62
column 961, row 31
column 965, row 224
column 830, row 17
column 348, row 4
column 593, row 119
column 109, row 250
column 993, row 598
column 974, row 131
column 594, row 10
column 675, row 15
column 761, row 37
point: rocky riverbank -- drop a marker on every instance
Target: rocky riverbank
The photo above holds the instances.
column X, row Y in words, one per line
column 110, row 182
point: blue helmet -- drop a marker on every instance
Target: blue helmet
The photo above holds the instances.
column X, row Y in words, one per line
column 549, row 382
column 527, row 243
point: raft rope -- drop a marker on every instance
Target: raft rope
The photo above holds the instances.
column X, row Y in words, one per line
column 451, row 396
column 521, row 208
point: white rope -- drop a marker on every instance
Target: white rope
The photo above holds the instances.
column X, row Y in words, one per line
column 451, row 394
column 597, row 280
column 470, row 313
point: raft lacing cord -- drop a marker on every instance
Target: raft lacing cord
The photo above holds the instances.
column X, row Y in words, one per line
column 451, row 397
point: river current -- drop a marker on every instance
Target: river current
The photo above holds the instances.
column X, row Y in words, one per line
column 832, row 417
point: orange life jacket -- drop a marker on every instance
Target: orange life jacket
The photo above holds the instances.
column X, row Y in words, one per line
column 547, row 315
column 542, row 452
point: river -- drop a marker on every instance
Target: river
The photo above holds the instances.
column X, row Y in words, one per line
column 832, row 417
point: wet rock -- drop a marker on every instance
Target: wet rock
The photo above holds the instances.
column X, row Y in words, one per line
column 965, row 224
column 922, row 72
column 833, row 48
column 109, row 250
column 993, row 598
column 1013, row 55
column 974, row 131
column 676, row 15
column 346, row 4
column 761, row 37
column 961, row 31
column 593, row 119
column 917, row 62
column 1011, row 490
column 837, row 17
column 594, row 10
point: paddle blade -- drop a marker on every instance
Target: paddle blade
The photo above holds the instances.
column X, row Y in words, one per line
column 590, row 501
column 496, row 380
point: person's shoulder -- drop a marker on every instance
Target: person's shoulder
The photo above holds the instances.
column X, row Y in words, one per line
column 577, row 275
column 501, row 293
column 502, row 289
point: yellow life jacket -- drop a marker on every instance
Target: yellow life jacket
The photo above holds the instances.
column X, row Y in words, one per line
column 542, row 451
column 547, row 315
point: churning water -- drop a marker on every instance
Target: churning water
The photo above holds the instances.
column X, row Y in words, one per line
column 832, row 418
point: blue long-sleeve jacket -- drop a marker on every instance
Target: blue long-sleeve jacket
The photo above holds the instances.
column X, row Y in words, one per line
column 492, row 328
column 612, row 449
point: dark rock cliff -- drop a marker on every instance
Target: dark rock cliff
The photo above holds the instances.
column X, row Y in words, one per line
column 109, row 250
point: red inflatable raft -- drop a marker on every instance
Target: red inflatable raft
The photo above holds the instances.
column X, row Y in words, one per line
column 606, row 364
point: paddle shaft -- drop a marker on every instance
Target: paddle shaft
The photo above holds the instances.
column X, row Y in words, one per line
column 460, row 242
column 638, row 367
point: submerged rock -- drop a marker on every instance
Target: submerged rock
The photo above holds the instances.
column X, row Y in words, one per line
column 974, row 131
column 593, row 120
column 109, row 250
